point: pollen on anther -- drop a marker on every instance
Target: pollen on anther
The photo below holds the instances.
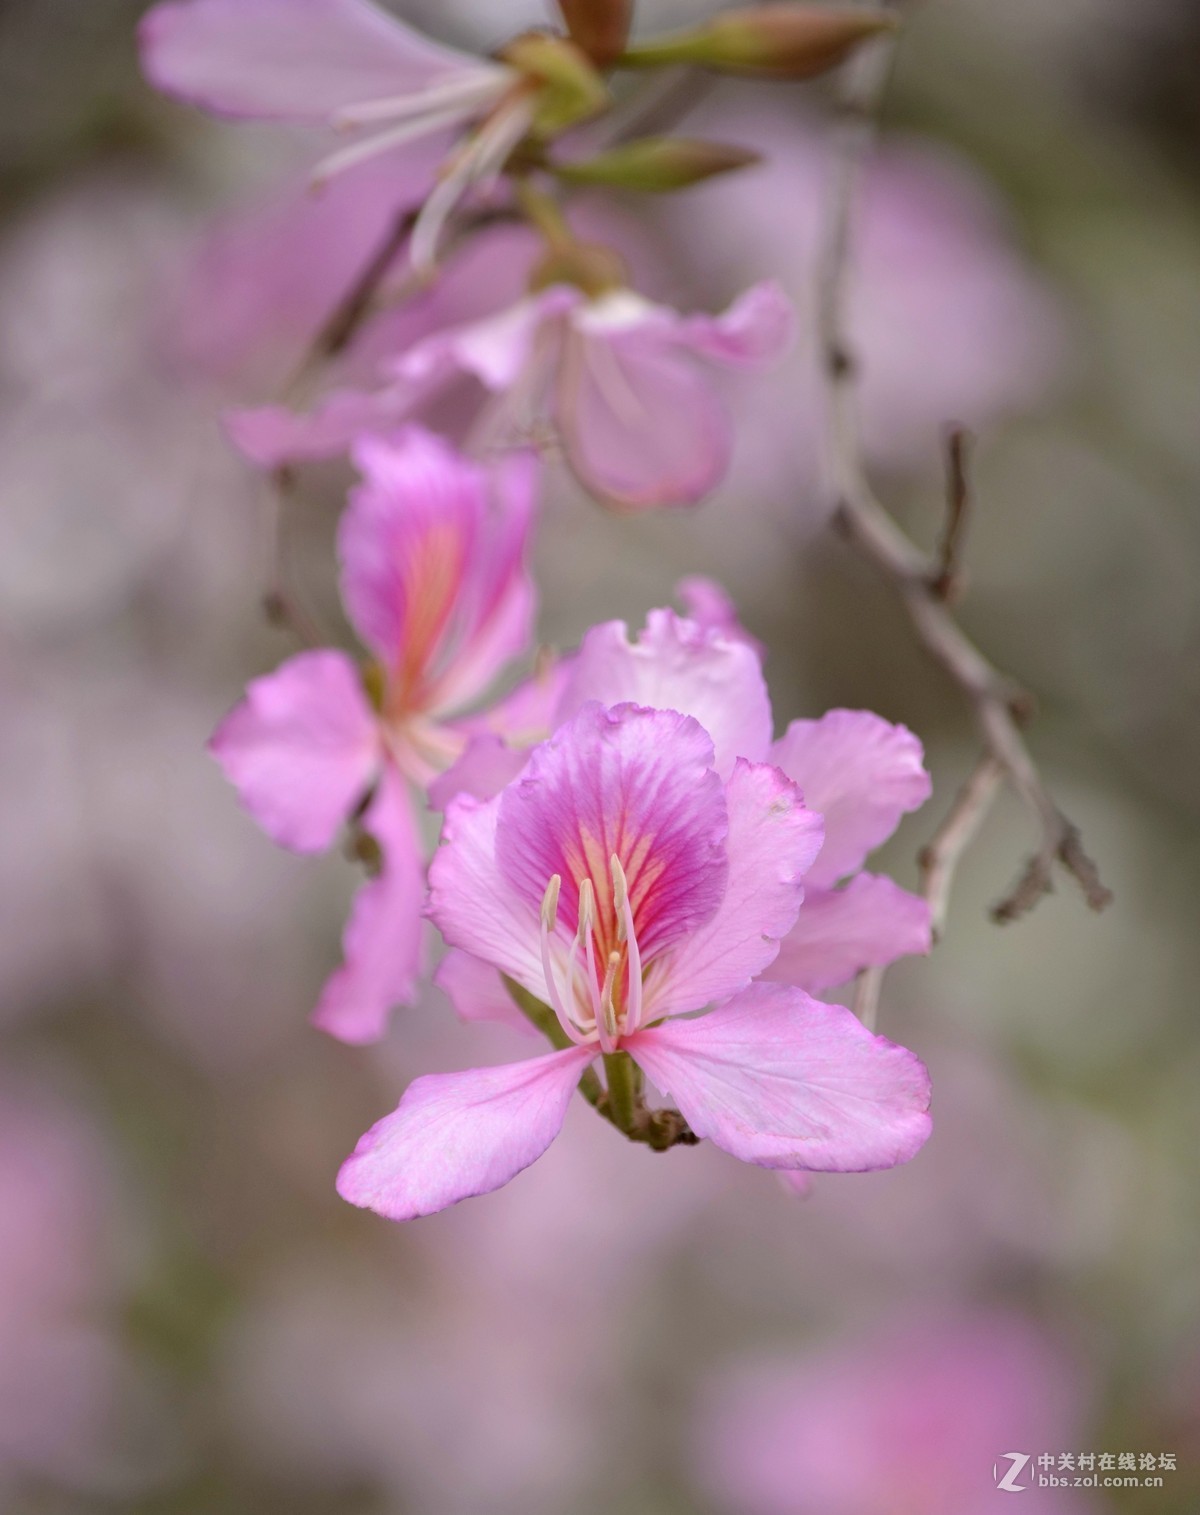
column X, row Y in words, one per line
column 550, row 902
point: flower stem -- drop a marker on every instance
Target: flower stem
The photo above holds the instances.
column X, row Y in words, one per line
column 624, row 1089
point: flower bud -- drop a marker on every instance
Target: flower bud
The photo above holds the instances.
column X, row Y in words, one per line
column 766, row 41
column 570, row 89
column 657, row 165
column 599, row 27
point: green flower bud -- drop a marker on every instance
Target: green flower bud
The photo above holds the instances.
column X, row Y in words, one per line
column 657, row 165
column 766, row 41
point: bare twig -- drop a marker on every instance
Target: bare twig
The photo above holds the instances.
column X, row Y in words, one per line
column 940, row 857
column 998, row 705
column 949, row 579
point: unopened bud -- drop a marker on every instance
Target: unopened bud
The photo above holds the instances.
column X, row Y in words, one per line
column 657, row 165
column 599, row 27
column 570, row 88
column 767, row 41
column 589, row 266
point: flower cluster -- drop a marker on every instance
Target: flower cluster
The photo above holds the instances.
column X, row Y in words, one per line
column 630, row 863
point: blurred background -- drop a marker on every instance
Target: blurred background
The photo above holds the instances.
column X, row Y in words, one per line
column 190, row 1319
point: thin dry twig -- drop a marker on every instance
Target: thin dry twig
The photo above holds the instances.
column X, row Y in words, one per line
column 949, row 579
column 997, row 703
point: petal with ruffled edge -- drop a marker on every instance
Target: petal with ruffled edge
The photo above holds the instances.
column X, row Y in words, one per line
column 301, row 748
column 455, row 1135
column 755, row 331
column 382, row 940
column 862, row 773
column 477, row 992
column 868, row 924
column 773, row 839
column 640, row 426
column 705, row 602
column 626, row 782
column 294, row 60
column 781, row 1080
column 676, row 665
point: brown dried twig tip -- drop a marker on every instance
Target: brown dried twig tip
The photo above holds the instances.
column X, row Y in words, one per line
column 949, row 579
column 927, row 586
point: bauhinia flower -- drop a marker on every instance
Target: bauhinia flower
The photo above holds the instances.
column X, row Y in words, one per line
column 615, row 377
column 625, row 884
column 860, row 773
column 351, row 66
column 434, row 582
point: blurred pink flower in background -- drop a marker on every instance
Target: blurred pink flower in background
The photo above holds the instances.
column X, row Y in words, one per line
column 613, row 375
column 69, row 1399
column 910, row 1421
column 948, row 321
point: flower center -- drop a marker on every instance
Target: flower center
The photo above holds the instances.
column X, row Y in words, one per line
column 596, row 995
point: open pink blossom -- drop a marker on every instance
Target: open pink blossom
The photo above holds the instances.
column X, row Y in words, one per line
column 434, row 581
column 625, row 884
column 858, row 771
column 919, row 1420
column 345, row 64
column 616, row 377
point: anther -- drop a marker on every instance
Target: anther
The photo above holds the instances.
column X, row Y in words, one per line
column 550, row 902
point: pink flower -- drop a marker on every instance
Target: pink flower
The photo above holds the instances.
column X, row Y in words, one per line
column 433, row 578
column 345, row 64
column 622, row 881
column 614, row 375
column 916, row 1420
column 858, row 771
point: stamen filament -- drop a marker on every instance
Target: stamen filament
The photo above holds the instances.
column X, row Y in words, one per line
column 627, row 933
column 553, row 987
column 587, row 925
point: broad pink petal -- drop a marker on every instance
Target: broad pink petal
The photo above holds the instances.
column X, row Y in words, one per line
column 675, row 665
column 641, row 426
column 454, row 1135
column 477, row 991
column 497, row 350
column 290, row 60
column 301, row 748
column 382, row 941
column 638, row 784
column 433, row 575
column 779, row 1079
column 862, row 773
column 756, row 330
column 868, row 924
column 772, row 841
column 472, row 903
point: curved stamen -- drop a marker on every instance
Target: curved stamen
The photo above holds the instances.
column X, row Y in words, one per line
column 460, row 94
column 627, row 933
column 553, row 987
column 408, row 131
column 606, row 1022
column 587, row 926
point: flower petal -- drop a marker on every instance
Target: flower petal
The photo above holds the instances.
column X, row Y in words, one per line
column 486, row 765
column 675, row 665
column 292, row 60
column 301, row 748
column 779, row 1079
column 635, row 783
column 756, row 330
column 472, row 903
column 454, row 1135
column 433, row 576
column 862, row 773
column 773, row 839
column 868, row 924
column 477, row 991
column 270, row 435
column 641, row 427
column 706, row 603
column 382, row 941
